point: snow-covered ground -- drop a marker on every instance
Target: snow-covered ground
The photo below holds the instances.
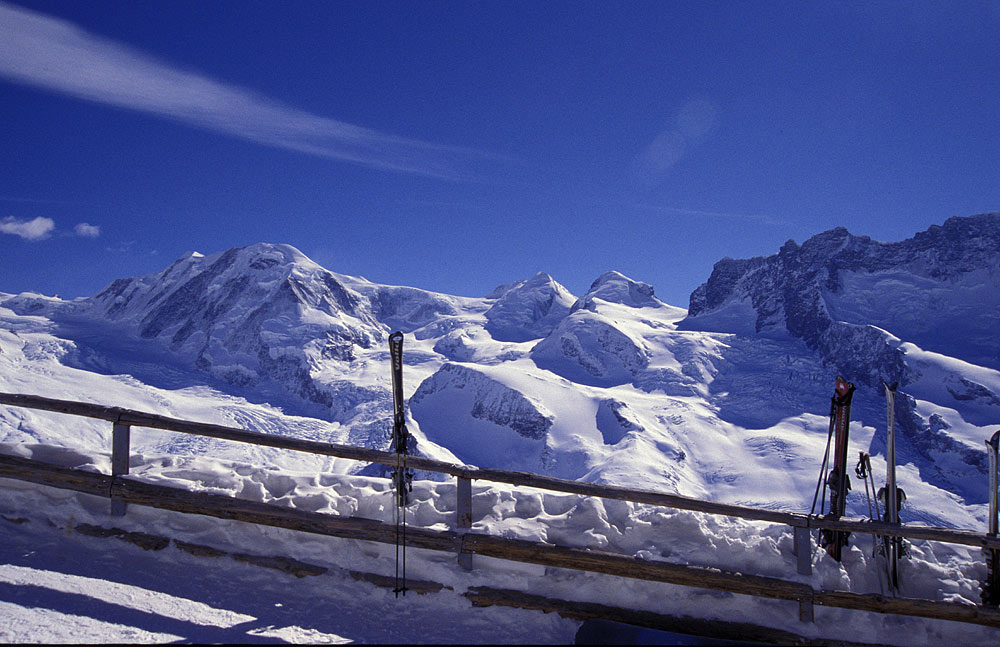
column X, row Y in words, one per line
column 61, row 586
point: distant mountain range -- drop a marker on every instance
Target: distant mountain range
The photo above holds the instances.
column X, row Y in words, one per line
column 726, row 400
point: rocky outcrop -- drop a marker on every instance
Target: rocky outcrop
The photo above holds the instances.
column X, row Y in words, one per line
column 490, row 401
column 481, row 420
column 839, row 292
column 614, row 421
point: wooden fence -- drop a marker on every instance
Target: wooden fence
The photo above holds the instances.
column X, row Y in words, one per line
column 123, row 490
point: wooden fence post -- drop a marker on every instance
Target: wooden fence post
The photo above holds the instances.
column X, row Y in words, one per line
column 464, row 511
column 806, row 610
column 803, row 551
column 120, row 437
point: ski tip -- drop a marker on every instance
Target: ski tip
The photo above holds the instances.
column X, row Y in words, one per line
column 842, row 387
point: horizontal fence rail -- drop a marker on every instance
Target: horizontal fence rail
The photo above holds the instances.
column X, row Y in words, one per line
column 225, row 507
column 123, row 490
column 525, row 479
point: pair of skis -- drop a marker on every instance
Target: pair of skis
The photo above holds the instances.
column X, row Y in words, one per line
column 838, row 481
column 402, row 478
column 891, row 496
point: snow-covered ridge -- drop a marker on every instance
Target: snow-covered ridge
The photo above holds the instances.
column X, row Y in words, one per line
column 605, row 387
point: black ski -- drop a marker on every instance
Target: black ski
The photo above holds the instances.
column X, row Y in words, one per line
column 402, row 478
column 837, row 480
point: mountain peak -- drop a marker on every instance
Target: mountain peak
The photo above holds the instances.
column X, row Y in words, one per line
column 615, row 287
column 262, row 256
column 235, row 312
column 528, row 309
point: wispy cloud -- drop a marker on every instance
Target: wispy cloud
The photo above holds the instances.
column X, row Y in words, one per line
column 46, row 52
column 699, row 213
column 35, row 229
column 124, row 247
column 87, row 230
column 11, row 198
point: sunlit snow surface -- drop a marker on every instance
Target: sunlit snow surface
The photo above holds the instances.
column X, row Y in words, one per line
column 64, row 587
column 610, row 391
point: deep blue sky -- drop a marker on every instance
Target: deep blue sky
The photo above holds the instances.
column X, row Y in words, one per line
column 457, row 146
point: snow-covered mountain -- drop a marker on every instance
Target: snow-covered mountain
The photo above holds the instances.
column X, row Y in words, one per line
column 727, row 400
column 939, row 290
column 878, row 311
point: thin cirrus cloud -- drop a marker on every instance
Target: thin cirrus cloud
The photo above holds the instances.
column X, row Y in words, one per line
column 36, row 229
column 759, row 218
column 49, row 53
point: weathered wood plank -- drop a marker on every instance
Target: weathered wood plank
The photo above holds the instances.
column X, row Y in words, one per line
column 484, row 596
column 420, row 587
column 935, row 609
column 225, row 507
column 120, row 446
column 70, row 407
column 120, row 441
column 24, row 469
column 632, row 567
column 932, row 533
column 802, row 543
column 463, row 519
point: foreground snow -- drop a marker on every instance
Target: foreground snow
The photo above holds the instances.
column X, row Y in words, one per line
column 44, row 561
column 60, row 586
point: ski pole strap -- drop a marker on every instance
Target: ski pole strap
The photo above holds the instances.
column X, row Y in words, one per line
column 864, row 466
